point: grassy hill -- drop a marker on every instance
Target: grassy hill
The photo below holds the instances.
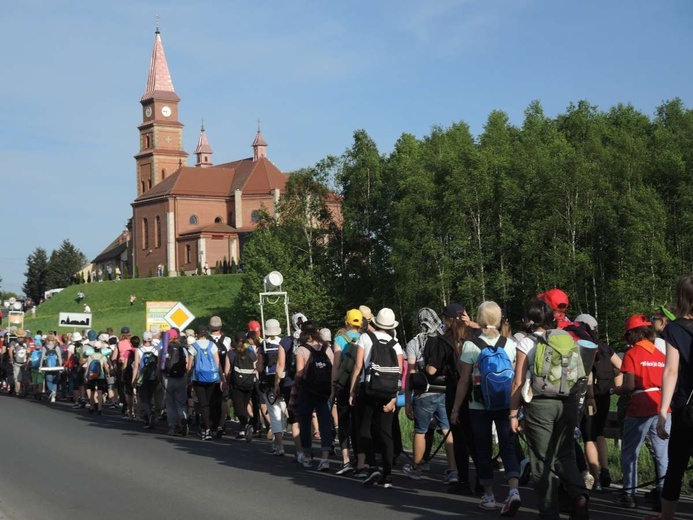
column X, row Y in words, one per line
column 204, row 296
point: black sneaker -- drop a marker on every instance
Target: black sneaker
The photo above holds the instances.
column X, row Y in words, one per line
column 152, row 422
column 372, row 478
column 361, row 473
column 605, row 478
column 184, row 428
column 345, row 468
column 626, row 500
column 385, row 482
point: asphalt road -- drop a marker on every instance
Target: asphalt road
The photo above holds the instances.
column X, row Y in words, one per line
column 58, row 463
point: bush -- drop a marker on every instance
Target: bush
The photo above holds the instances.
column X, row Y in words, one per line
column 182, row 272
column 126, row 274
column 149, row 273
column 165, row 271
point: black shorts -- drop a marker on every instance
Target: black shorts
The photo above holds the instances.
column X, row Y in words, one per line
column 97, row 384
column 593, row 426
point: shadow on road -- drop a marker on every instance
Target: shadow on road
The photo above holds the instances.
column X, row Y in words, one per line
column 424, row 499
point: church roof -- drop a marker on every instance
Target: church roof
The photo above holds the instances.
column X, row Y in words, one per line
column 259, row 140
column 202, row 143
column 214, row 229
column 252, row 177
column 159, row 82
column 114, row 249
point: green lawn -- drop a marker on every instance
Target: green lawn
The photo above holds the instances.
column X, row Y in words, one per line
column 204, row 296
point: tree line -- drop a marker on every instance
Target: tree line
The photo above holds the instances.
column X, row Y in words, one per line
column 60, row 269
column 598, row 203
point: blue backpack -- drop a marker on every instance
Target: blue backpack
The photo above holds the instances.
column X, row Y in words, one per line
column 35, row 359
column 52, row 358
column 496, row 374
column 206, row 369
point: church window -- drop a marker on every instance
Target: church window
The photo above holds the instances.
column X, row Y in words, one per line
column 149, row 182
column 188, row 256
column 217, row 220
column 193, row 220
column 255, row 216
column 147, row 141
column 157, row 231
column 143, row 186
column 145, row 234
column 163, row 174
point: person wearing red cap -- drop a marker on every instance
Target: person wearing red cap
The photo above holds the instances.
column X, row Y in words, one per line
column 642, row 368
column 559, row 302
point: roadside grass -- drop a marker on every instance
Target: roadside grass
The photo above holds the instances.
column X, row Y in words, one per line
column 204, row 296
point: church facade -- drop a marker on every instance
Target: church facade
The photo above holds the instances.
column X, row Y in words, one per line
column 185, row 217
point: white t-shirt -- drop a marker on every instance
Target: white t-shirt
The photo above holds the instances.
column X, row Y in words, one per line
column 661, row 345
column 470, row 355
column 366, row 344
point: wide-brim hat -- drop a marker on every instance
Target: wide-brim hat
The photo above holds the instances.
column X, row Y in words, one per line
column 21, row 333
column 385, row 319
column 76, row 336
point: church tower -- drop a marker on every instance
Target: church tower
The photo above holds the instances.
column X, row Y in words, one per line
column 203, row 150
column 161, row 134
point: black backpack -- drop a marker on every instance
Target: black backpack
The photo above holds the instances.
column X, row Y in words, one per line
column 317, row 377
column 243, row 372
column 383, row 378
column 603, row 372
column 175, row 364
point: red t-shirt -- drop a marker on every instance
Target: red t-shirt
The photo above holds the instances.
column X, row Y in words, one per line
column 646, row 363
column 124, row 348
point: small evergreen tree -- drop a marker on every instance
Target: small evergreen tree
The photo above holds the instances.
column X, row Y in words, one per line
column 182, row 272
column 217, row 268
column 150, row 274
column 126, row 274
column 166, row 270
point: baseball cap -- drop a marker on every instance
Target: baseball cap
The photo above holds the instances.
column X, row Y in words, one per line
column 125, row 330
column 326, row 335
column 241, row 336
column 354, row 317
column 588, row 320
column 155, row 329
column 635, row 321
column 215, row 322
column 557, row 299
column 453, row 310
column 254, row 325
column 146, row 336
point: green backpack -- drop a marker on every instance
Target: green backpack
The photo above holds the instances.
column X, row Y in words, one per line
column 347, row 361
column 557, row 370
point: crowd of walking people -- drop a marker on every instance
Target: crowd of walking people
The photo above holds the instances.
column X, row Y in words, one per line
column 504, row 400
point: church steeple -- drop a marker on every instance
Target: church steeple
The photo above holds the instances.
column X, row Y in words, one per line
column 259, row 145
column 159, row 83
column 161, row 133
column 203, row 150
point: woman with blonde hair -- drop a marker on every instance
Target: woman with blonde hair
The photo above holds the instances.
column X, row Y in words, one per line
column 487, row 370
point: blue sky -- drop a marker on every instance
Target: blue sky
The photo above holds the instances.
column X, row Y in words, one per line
column 312, row 71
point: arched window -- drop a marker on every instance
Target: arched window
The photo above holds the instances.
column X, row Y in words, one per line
column 188, row 256
column 217, row 220
column 145, row 234
column 157, row 231
column 147, row 141
column 193, row 220
column 163, row 174
column 149, row 182
column 143, row 186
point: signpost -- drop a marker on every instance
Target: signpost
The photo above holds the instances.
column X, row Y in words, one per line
column 16, row 319
column 179, row 316
column 75, row 320
column 155, row 315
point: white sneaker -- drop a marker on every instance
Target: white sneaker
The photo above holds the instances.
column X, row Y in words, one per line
column 324, row 465
column 307, row 462
column 488, row 503
column 52, row 397
column 451, row 478
column 512, row 504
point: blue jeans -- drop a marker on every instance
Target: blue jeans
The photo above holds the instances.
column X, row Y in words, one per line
column 307, row 402
column 482, row 421
column 427, row 407
column 52, row 379
column 635, row 429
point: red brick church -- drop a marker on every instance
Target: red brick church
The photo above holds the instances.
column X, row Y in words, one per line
column 185, row 216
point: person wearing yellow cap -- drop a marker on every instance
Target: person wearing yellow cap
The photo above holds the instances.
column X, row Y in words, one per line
column 344, row 347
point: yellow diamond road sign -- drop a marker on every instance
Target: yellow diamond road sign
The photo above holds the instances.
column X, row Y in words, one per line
column 179, row 316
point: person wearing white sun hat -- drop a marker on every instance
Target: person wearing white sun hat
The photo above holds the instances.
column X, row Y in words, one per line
column 379, row 353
